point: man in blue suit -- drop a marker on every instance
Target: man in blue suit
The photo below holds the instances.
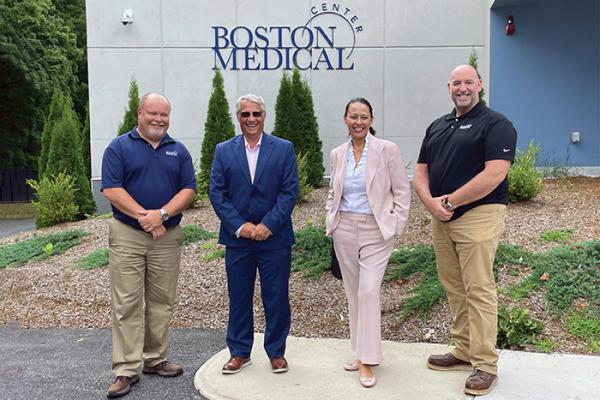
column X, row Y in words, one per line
column 253, row 189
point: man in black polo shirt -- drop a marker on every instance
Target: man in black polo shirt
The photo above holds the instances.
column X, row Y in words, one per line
column 461, row 178
column 149, row 179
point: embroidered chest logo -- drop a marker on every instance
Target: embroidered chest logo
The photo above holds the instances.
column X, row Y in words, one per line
column 171, row 153
column 468, row 126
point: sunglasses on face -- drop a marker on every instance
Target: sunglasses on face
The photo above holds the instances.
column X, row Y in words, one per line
column 255, row 114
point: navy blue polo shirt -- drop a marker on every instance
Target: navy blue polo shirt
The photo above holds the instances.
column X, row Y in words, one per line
column 455, row 149
column 151, row 176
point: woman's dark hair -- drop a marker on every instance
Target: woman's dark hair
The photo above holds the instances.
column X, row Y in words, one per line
column 366, row 103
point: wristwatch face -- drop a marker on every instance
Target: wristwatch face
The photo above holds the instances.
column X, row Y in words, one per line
column 448, row 206
column 164, row 215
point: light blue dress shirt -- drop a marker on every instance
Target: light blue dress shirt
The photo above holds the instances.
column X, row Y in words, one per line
column 354, row 195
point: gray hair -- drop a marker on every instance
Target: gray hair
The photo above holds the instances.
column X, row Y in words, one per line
column 253, row 98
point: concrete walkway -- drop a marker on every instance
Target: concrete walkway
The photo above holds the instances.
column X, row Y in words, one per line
column 11, row 226
column 74, row 364
column 316, row 373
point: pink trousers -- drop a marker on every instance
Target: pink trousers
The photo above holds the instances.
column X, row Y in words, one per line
column 363, row 256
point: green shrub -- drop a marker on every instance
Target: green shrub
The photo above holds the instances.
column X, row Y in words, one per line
column 36, row 248
column 585, row 326
column 295, row 120
column 193, row 233
column 571, row 273
column 516, row 328
column 524, row 288
column 65, row 153
column 130, row 116
column 547, row 345
column 557, row 235
column 312, row 252
column 56, row 200
column 213, row 255
column 524, row 181
column 304, row 188
column 217, row 128
column 419, row 259
column 97, row 258
column 511, row 254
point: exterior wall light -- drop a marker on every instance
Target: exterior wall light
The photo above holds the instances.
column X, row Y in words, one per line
column 510, row 26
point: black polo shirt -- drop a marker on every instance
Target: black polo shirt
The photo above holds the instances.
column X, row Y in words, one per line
column 455, row 149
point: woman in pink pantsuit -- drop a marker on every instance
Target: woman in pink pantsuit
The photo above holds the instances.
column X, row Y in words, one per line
column 367, row 207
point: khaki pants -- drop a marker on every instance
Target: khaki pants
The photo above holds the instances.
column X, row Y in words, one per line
column 363, row 256
column 465, row 250
column 143, row 281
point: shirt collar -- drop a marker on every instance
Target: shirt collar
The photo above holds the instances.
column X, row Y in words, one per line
column 257, row 143
column 473, row 112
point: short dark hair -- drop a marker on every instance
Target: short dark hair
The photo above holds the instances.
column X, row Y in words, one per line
column 366, row 103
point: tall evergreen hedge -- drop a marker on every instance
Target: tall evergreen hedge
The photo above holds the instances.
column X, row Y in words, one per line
column 217, row 128
column 295, row 121
column 65, row 153
column 130, row 117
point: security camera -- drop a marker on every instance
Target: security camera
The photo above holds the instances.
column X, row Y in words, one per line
column 127, row 17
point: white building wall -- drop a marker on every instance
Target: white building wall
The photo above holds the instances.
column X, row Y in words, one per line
column 402, row 61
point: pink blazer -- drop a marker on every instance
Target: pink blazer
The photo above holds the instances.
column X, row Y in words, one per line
column 388, row 189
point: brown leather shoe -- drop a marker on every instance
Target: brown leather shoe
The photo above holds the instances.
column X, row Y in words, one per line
column 279, row 365
column 166, row 369
column 235, row 365
column 121, row 386
column 480, row 383
column 447, row 362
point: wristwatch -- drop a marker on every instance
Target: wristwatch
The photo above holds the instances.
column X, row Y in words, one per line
column 447, row 205
column 164, row 215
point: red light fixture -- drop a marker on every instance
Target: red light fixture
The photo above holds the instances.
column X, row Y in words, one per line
column 510, row 26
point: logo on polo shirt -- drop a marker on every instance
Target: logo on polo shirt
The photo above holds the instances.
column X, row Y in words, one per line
column 171, row 153
column 465, row 126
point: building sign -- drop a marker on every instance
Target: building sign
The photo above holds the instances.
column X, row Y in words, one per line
column 313, row 46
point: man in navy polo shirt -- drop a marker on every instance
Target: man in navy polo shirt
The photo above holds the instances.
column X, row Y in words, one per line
column 461, row 178
column 149, row 179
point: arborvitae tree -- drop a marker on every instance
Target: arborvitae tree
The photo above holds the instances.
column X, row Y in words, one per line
column 284, row 109
column 54, row 112
column 130, row 117
column 473, row 63
column 65, row 155
column 85, row 144
column 217, row 128
column 306, row 129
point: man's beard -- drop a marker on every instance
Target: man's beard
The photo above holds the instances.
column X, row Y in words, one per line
column 156, row 133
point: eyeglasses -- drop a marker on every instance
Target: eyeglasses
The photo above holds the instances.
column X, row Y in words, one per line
column 255, row 114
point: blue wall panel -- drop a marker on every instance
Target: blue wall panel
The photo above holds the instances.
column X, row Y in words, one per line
column 545, row 77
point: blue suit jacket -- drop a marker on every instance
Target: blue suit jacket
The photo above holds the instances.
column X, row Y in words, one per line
column 270, row 199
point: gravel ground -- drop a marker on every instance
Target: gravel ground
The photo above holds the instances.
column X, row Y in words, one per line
column 52, row 293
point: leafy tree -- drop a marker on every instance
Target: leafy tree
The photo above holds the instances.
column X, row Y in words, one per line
column 73, row 14
column 473, row 63
column 295, row 121
column 85, row 145
column 130, row 117
column 38, row 53
column 217, row 128
column 65, row 154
